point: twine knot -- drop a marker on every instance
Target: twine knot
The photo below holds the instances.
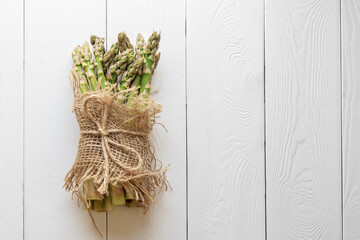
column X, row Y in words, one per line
column 104, row 133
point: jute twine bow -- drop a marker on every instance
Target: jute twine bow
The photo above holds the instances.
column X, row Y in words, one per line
column 104, row 133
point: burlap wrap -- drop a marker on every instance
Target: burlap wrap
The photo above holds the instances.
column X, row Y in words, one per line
column 114, row 146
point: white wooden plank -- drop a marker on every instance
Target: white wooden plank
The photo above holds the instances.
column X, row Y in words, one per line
column 350, row 28
column 11, row 119
column 225, row 89
column 52, row 30
column 303, row 119
column 167, row 218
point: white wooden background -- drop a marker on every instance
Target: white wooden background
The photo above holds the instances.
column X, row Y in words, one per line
column 261, row 102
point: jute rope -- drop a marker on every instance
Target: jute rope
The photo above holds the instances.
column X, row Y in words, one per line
column 105, row 141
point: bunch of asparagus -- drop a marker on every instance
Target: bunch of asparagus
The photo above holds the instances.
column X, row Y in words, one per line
column 122, row 69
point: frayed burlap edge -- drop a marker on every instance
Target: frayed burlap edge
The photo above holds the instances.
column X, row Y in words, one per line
column 144, row 179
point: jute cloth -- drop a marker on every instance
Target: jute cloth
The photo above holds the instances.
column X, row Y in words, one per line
column 114, row 147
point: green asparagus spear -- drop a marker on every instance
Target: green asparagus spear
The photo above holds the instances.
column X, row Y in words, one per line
column 109, row 56
column 76, row 55
column 130, row 74
column 89, row 67
column 157, row 58
column 135, row 85
column 120, row 62
column 139, row 49
column 98, row 45
column 124, row 42
column 140, row 45
column 149, row 65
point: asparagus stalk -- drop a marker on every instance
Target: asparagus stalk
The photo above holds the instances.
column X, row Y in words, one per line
column 89, row 67
column 135, row 85
column 139, row 49
column 76, row 55
column 98, row 45
column 149, row 64
column 117, row 195
column 124, row 42
column 120, row 62
column 157, row 58
column 109, row 56
column 130, row 74
column 140, row 45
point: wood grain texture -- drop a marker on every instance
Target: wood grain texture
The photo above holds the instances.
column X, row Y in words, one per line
column 52, row 30
column 225, row 59
column 303, row 119
column 11, row 119
column 350, row 19
column 167, row 218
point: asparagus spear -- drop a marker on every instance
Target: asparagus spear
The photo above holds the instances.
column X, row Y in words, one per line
column 149, row 65
column 89, row 67
column 98, row 45
column 76, row 55
column 135, row 85
column 139, row 49
column 157, row 58
column 109, row 56
column 120, row 62
column 140, row 45
column 130, row 74
column 124, row 42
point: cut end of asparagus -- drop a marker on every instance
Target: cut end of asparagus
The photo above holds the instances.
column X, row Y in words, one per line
column 109, row 206
column 98, row 205
column 90, row 190
column 130, row 194
column 117, row 195
column 132, row 203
